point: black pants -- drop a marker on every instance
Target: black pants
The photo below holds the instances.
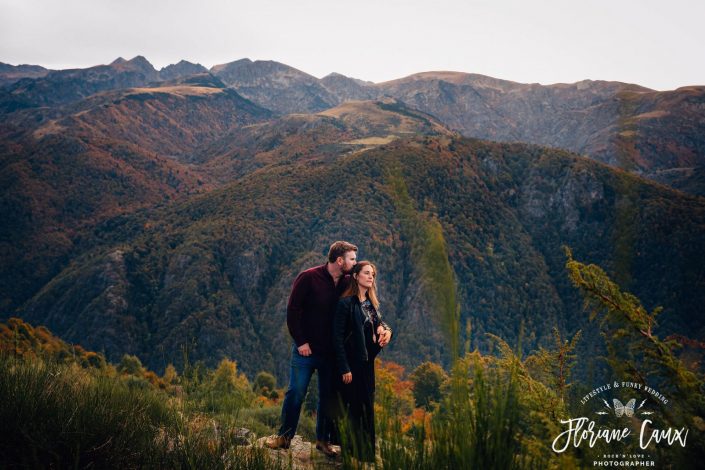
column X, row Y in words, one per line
column 357, row 418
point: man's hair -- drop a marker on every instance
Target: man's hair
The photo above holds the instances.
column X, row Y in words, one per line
column 339, row 248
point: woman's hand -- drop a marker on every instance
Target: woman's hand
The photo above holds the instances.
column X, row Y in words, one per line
column 384, row 336
column 347, row 378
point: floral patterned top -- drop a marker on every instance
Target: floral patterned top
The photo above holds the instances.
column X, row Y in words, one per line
column 372, row 321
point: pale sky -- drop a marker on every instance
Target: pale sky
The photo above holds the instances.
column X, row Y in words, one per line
column 658, row 44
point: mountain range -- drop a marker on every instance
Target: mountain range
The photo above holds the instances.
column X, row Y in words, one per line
column 156, row 212
column 655, row 134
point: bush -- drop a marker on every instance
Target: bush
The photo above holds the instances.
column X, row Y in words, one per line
column 264, row 383
column 427, row 380
column 130, row 365
column 170, row 375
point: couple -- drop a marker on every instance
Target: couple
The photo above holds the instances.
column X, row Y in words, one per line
column 334, row 320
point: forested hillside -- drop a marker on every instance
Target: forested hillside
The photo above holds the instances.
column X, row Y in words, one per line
column 213, row 273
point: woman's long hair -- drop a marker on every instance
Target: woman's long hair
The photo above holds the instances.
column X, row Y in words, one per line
column 354, row 288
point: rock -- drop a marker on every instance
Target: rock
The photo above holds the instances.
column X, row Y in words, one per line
column 242, row 436
column 301, row 454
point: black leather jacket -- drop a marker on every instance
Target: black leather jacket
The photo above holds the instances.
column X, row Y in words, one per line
column 349, row 334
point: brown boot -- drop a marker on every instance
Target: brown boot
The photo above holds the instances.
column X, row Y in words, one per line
column 327, row 449
column 277, row 442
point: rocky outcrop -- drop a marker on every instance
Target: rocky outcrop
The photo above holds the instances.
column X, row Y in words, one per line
column 100, row 304
column 301, row 454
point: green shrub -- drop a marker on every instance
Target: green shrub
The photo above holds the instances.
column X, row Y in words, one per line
column 428, row 378
column 130, row 364
column 264, row 381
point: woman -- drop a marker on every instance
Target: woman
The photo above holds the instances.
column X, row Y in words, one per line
column 359, row 334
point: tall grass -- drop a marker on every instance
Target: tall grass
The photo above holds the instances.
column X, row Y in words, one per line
column 478, row 425
column 64, row 416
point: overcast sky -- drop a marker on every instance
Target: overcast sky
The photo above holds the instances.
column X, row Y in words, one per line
column 658, row 44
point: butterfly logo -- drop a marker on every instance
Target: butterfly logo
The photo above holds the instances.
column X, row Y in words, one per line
column 627, row 410
column 624, row 409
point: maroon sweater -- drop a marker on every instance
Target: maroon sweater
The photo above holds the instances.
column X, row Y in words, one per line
column 312, row 303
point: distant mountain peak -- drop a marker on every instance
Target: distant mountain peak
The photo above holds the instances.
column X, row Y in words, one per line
column 246, row 68
column 335, row 76
column 138, row 62
column 181, row 69
column 275, row 86
column 203, row 79
column 182, row 62
column 142, row 63
column 229, row 65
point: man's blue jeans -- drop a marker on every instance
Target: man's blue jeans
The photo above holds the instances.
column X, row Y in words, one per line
column 302, row 368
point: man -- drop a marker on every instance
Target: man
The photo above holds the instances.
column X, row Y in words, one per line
column 309, row 317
